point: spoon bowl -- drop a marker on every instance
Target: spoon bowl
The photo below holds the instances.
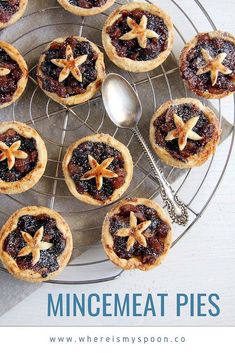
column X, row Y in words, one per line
column 121, row 101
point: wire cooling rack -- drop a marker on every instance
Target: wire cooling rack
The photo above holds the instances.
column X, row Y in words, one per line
column 60, row 126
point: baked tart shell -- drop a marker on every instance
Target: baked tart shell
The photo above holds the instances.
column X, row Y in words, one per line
column 183, row 57
column 135, row 262
column 80, row 11
column 91, row 89
column 198, row 158
column 126, row 63
column 110, row 141
column 34, row 176
column 18, row 58
column 16, row 16
column 30, row 275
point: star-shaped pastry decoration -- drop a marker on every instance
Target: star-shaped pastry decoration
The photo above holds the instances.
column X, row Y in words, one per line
column 183, row 131
column 134, row 232
column 34, row 245
column 4, row 71
column 11, row 153
column 99, row 171
column 70, row 65
column 213, row 65
column 139, row 31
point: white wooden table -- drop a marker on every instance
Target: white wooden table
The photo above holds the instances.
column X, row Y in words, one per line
column 203, row 262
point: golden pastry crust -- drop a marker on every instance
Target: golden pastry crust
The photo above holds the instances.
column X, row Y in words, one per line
column 107, row 139
column 16, row 16
column 80, row 11
column 183, row 57
column 196, row 159
column 21, row 84
column 126, row 63
column 91, row 89
column 11, row 224
column 32, row 177
column 134, row 262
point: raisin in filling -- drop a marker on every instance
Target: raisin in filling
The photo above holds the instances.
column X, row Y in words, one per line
column 79, row 165
column 8, row 9
column 87, row 4
column 165, row 124
column 195, row 60
column 8, row 83
column 70, row 86
column 155, row 234
column 22, row 166
column 48, row 258
column 130, row 48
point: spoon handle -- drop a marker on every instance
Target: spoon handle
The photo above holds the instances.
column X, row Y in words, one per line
column 176, row 208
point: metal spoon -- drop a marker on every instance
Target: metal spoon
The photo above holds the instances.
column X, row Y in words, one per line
column 124, row 109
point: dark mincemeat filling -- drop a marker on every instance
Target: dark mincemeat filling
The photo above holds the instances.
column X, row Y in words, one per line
column 70, row 86
column 87, row 4
column 165, row 124
column 8, row 83
column 195, row 60
column 22, row 166
column 130, row 48
column 48, row 258
column 8, row 9
column 155, row 233
column 79, row 165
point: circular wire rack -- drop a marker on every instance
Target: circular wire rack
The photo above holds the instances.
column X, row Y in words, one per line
column 60, row 125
